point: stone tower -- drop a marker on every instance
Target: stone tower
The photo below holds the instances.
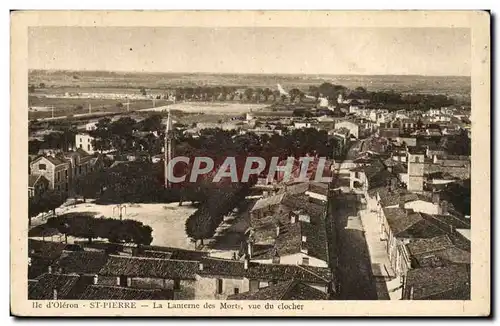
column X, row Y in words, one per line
column 168, row 147
column 415, row 171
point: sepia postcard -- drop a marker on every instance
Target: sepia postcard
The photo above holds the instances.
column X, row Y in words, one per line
column 250, row 163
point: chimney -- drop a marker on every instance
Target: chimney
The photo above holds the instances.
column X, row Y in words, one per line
column 54, row 294
column 246, row 262
column 434, row 159
column 435, row 198
column 50, row 270
column 444, row 207
column 96, row 279
column 249, row 249
column 277, row 230
column 304, row 238
column 411, row 293
column 293, row 218
column 200, row 266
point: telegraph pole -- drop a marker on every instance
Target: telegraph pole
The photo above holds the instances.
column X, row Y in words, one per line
column 127, row 104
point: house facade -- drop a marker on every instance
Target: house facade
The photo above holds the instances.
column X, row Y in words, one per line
column 56, row 170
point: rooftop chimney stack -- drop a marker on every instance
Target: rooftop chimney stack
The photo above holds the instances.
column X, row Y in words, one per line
column 246, row 262
column 200, row 266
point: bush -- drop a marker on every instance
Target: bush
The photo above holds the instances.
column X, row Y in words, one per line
column 86, row 225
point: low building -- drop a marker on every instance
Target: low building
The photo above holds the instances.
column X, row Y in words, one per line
column 148, row 273
column 288, row 290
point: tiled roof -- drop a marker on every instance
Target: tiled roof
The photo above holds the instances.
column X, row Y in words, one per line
column 45, row 249
column 226, row 267
column 223, row 267
column 287, row 272
column 268, row 201
column 408, row 224
column 43, row 287
column 422, row 246
column 319, row 188
column 55, row 160
column 304, row 203
column 291, row 290
column 289, row 240
column 438, row 251
column 450, row 220
column 102, row 292
column 81, row 262
column 149, row 267
column 442, row 283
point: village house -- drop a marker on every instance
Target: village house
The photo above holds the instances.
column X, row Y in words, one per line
column 85, row 141
column 222, row 278
column 56, row 170
column 37, row 185
column 352, row 126
column 399, row 226
column 301, row 241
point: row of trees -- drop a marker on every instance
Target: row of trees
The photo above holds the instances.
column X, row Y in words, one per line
column 203, row 223
column 85, row 225
column 127, row 135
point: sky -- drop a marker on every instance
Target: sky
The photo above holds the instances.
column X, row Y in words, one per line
column 338, row 51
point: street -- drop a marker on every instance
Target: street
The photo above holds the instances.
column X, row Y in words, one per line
column 354, row 265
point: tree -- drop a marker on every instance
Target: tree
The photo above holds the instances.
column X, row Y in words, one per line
column 266, row 93
column 31, row 88
column 294, row 93
column 142, row 90
column 248, row 93
column 52, row 200
column 42, row 85
column 258, row 93
column 34, row 208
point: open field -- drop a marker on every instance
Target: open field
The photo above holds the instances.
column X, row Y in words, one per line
column 40, row 107
column 210, row 107
column 76, row 80
column 166, row 220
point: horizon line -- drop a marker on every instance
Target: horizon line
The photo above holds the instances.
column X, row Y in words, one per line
column 234, row 73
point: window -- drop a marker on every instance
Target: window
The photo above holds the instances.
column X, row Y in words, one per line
column 66, row 173
column 81, row 140
column 236, row 290
column 305, row 261
column 417, row 159
column 123, row 280
column 219, row 286
column 80, row 169
column 80, row 145
column 88, row 147
column 58, row 175
column 42, row 167
column 177, row 284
